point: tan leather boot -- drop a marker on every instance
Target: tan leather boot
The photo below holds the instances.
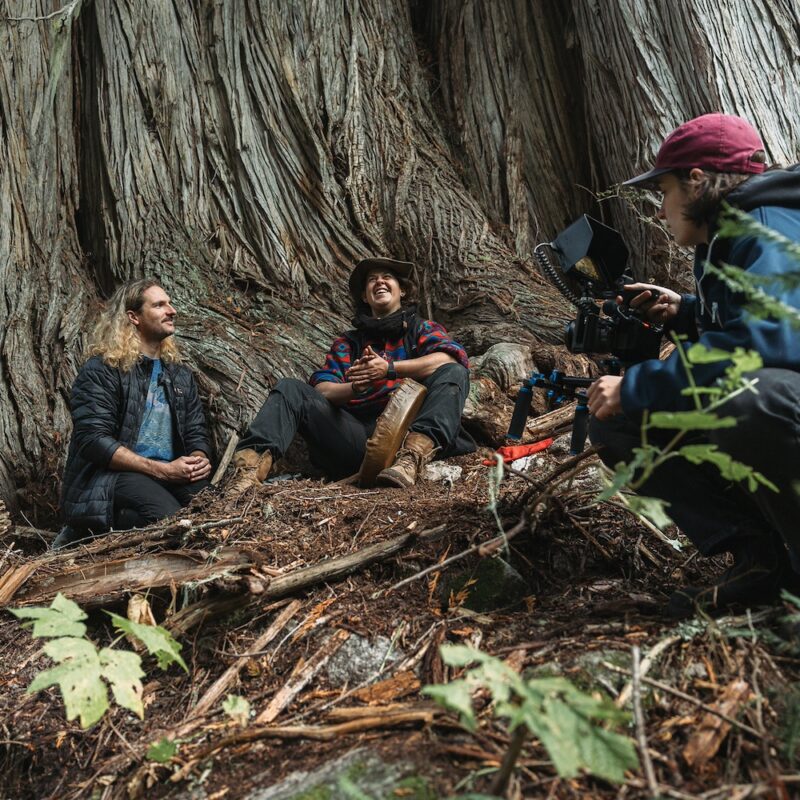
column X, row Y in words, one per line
column 251, row 469
column 416, row 452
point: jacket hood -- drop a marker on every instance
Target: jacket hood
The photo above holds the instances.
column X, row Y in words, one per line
column 777, row 187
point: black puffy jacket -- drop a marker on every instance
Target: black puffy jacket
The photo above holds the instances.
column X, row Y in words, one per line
column 107, row 408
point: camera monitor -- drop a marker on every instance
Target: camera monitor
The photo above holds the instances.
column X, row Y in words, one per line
column 591, row 253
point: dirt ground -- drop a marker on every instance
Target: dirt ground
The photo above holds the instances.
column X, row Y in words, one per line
column 597, row 582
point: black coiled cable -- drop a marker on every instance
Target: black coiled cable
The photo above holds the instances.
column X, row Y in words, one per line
column 553, row 275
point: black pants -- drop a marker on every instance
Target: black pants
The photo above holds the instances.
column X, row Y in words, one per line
column 713, row 511
column 337, row 438
column 140, row 500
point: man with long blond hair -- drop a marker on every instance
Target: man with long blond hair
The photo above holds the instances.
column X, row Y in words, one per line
column 139, row 448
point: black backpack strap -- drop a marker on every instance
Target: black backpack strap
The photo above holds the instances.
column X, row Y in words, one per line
column 411, row 336
column 357, row 340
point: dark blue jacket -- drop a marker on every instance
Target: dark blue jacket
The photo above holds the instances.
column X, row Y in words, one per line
column 715, row 315
column 107, row 407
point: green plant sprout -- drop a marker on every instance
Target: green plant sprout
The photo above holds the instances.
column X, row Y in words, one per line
column 571, row 725
column 83, row 670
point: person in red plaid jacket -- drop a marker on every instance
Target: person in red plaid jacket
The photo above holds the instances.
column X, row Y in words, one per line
column 337, row 409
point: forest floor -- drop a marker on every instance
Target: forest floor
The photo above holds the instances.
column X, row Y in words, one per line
column 271, row 623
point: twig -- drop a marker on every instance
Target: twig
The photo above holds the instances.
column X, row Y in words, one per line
column 623, row 504
column 66, row 11
column 566, row 466
column 590, row 537
column 647, row 662
column 221, row 685
column 226, row 458
column 503, row 775
column 689, row 699
column 324, row 733
column 302, row 674
column 484, row 548
column 641, row 734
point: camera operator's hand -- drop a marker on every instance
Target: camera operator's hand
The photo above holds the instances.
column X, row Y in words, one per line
column 605, row 397
column 656, row 303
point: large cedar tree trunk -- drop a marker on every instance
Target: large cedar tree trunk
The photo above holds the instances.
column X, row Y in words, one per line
column 247, row 153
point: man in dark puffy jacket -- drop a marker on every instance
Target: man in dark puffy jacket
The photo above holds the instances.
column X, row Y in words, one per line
column 139, row 448
column 706, row 161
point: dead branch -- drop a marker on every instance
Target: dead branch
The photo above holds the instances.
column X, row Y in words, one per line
column 641, row 733
column 220, row 686
column 323, row 733
column 689, row 699
column 303, row 672
column 226, row 458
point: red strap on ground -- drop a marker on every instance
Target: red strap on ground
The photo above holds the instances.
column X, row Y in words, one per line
column 513, row 452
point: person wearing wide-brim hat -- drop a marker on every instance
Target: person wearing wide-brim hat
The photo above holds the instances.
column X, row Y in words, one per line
column 703, row 164
column 337, row 409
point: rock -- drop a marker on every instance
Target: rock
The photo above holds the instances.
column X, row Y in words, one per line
column 359, row 773
column 360, row 660
column 493, row 584
column 440, row 471
column 506, row 363
column 593, row 673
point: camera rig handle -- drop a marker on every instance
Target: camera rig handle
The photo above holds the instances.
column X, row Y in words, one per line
column 560, row 389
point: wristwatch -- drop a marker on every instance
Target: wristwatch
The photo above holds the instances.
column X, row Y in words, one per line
column 391, row 373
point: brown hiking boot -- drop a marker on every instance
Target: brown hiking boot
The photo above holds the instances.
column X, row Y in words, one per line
column 251, row 469
column 416, row 452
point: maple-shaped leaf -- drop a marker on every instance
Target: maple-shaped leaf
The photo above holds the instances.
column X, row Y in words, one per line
column 123, row 670
column 61, row 618
column 157, row 640
column 78, row 676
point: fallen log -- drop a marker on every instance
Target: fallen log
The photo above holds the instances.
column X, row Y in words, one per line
column 103, row 582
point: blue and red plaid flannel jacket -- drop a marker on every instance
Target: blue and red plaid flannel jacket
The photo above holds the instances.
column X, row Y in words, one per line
column 431, row 338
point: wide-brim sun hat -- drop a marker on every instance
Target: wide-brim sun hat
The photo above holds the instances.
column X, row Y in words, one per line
column 714, row 142
column 403, row 269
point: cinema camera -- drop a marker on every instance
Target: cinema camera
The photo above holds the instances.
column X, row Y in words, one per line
column 586, row 263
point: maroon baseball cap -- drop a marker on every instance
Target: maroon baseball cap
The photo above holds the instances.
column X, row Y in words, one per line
column 716, row 142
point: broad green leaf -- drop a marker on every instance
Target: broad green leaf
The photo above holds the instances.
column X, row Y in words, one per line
column 728, row 467
column 78, row 676
column 162, row 751
column 62, row 618
column 747, row 360
column 571, row 724
column 237, row 708
column 700, row 354
column 157, row 640
column 123, row 670
column 624, row 473
column 457, row 696
column 607, row 754
column 460, row 655
column 690, row 420
column 652, row 508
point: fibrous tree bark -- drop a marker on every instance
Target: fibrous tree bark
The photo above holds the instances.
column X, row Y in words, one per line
column 247, row 153
column 648, row 67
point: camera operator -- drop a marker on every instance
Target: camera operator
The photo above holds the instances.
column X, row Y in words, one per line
column 709, row 160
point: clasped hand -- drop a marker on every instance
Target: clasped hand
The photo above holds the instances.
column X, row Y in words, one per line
column 367, row 370
column 186, row 469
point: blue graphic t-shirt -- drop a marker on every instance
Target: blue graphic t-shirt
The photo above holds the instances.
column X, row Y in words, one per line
column 155, row 434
